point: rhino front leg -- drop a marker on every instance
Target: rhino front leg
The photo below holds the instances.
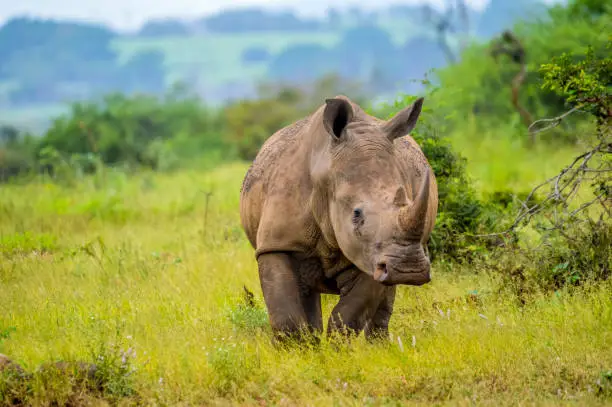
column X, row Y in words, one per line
column 378, row 327
column 360, row 298
column 312, row 306
column 281, row 294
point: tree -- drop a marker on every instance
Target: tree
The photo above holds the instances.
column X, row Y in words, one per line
column 510, row 46
column 454, row 18
column 500, row 15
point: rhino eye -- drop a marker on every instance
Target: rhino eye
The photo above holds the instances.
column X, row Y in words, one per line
column 357, row 216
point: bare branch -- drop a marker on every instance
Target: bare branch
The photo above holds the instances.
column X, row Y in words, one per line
column 554, row 122
column 564, row 186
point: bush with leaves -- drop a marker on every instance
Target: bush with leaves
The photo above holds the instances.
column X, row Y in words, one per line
column 17, row 153
column 573, row 216
column 131, row 130
column 250, row 123
column 560, row 262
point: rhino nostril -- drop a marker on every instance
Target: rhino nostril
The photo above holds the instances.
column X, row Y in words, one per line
column 381, row 274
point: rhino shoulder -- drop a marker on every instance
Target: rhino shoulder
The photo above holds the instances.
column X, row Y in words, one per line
column 271, row 152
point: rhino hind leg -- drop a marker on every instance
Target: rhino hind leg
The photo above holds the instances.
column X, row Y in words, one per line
column 282, row 296
column 360, row 299
column 378, row 327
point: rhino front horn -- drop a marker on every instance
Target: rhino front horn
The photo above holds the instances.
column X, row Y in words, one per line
column 412, row 217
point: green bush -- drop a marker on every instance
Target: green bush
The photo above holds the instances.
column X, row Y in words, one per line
column 133, row 130
column 575, row 233
column 17, row 153
column 560, row 263
column 251, row 122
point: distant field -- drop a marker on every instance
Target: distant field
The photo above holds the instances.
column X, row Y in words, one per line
column 217, row 57
column 209, row 61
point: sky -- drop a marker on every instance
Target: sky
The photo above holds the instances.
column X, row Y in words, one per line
column 127, row 15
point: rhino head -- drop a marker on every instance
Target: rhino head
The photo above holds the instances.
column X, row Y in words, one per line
column 378, row 224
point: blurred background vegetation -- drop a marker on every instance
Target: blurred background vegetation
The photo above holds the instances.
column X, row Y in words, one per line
column 76, row 98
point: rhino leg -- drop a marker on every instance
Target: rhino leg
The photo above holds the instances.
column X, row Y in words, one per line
column 378, row 327
column 360, row 298
column 312, row 307
column 282, row 295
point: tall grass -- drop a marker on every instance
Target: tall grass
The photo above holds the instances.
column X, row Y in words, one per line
column 148, row 272
column 500, row 159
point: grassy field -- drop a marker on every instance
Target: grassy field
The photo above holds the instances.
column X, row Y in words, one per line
column 150, row 269
column 216, row 57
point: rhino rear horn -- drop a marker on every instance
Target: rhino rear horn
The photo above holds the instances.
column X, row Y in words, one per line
column 338, row 113
column 412, row 217
column 404, row 121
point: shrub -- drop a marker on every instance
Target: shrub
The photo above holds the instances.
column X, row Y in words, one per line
column 560, row 263
column 132, row 130
column 575, row 231
column 251, row 122
column 17, row 152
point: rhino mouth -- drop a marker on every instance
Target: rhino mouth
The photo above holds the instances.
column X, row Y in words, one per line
column 388, row 275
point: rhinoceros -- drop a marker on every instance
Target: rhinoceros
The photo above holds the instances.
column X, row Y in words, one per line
column 339, row 202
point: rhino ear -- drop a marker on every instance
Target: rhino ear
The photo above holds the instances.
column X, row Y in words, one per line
column 404, row 121
column 337, row 114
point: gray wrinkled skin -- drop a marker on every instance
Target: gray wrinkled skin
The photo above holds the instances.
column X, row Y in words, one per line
column 339, row 203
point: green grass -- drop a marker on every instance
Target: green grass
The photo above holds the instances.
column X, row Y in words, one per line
column 143, row 275
column 496, row 160
column 148, row 264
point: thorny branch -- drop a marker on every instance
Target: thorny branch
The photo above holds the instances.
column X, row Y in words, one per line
column 554, row 122
column 565, row 185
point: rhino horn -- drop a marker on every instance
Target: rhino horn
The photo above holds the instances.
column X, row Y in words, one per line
column 412, row 216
